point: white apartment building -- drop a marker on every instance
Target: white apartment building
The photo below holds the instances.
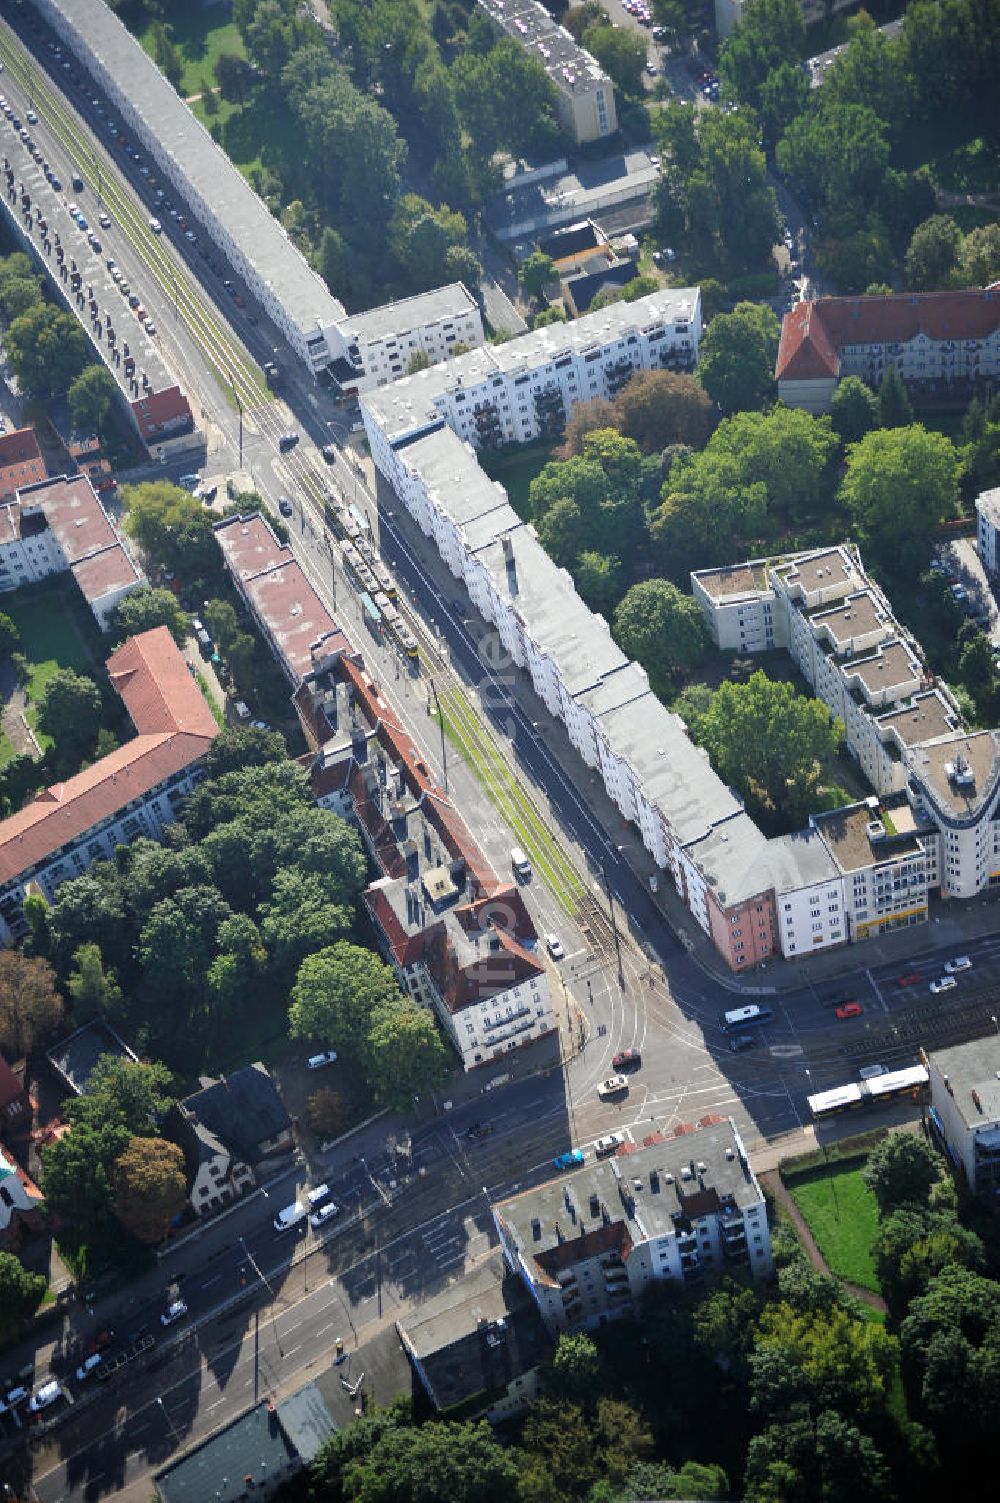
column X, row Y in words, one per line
column 522, row 390
column 988, row 531
column 387, row 338
column 585, row 95
column 964, row 1086
column 683, row 1209
column 135, row 790
column 60, row 525
column 228, row 211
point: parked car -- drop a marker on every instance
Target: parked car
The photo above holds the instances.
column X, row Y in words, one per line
column 87, row 1366
column 174, row 1311
column 849, row 1010
column 554, row 945
column 320, row 1061
column 12, row 1398
column 317, row 1195
column 104, row 221
column 479, row 1130
column 329, row 453
column 742, row 1042
column 324, row 1214
column 609, row 1143
column 908, row 978
column 44, row 1396
column 960, row 963
column 615, row 1085
column 291, row 1216
column 627, row 1059
column 569, row 1160
column 943, row 984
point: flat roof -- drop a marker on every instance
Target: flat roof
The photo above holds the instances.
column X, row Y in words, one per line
column 552, row 1215
column 571, row 69
column 735, row 579
column 450, row 472
column 413, row 401
column 846, row 832
column 450, row 301
column 893, row 666
column 74, row 1057
column 182, row 136
column 253, row 1446
column 799, row 860
column 74, row 514
column 101, row 573
column 858, row 616
column 294, row 614
column 823, row 570
column 734, row 855
column 989, row 504
column 930, row 715
column 974, row 1066
column 960, row 771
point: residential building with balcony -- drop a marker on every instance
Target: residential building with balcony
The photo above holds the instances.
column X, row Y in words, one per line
column 585, row 95
column 432, row 323
column 685, row 1209
column 944, row 344
column 988, row 531
column 135, row 790
column 964, row 1084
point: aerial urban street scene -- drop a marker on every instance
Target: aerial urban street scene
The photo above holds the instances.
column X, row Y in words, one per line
column 499, row 750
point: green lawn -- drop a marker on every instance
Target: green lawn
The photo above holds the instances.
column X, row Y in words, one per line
column 841, row 1214
column 515, row 472
column 50, row 640
column 200, row 33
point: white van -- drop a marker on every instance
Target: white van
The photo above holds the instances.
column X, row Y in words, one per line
column 292, row 1215
column 319, row 1193
column 521, row 864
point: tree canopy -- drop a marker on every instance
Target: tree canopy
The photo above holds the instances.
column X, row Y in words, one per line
column 898, row 484
column 737, row 355
column 146, row 608
column 901, row 1170
column 663, row 629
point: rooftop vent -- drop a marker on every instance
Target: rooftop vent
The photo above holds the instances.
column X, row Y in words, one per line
column 730, row 1154
column 595, row 1206
column 875, row 830
column 959, row 772
column 536, row 1229
column 668, row 1178
column 686, row 1173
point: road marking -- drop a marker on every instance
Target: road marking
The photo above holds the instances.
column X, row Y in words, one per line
column 209, row 1282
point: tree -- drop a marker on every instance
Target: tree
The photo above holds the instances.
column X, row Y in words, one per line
column 178, row 941
column 237, row 747
column 788, row 451
column 663, row 629
column 843, row 1363
column 172, row 528
column 90, row 398
column 576, row 1370
column 767, row 740
column 300, row 918
column 831, row 1460
column 536, row 273
column 898, row 484
column 598, row 578
column 31, row 1009
column 461, row 1462
column 336, row 994
column 89, row 909
column 585, row 417
column 975, row 664
column 20, row 1294
column 69, row 712
column 913, row 1246
column 769, row 33
column 620, row 53
column 147, row 608
column 328, row 1113
column 894, row 410
column 233, row 78
column 47, row 350
column 737, row 355
column 10, row 636
column 579, row 18
column 659, row 408
column 784, row 95
column 854, row 410
column 93, row 990
column 132, row 1092
column 167, row 58
column 77, row 1174
column 932, row 256
column 149, row 1187
column 836, row 158
column 901, row 1170
column 406, row 1054
column 712, row 198
column 980, row 256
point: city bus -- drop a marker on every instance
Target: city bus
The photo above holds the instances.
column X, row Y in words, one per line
column 744, row 1017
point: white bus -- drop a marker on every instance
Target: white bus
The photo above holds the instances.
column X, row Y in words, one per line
column 743, row 1017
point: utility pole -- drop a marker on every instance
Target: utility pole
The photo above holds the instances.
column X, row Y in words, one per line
column 239, row 406
column 270, row 1289
column 614, row 924
column 444, row 750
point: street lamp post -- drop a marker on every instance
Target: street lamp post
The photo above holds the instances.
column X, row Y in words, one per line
column 444, row 749
column 614, row 924
column 270, row 1289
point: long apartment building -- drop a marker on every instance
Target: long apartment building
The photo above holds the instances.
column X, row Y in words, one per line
column 59, row 525
column 460, row 941
column 363, row 349
column 941, row 343
column 135, row 790
column 585, row 95
column 681, row 1209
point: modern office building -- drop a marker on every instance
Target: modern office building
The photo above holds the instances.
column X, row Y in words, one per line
column 681, row 1209
column 965, row 1109
column 585, row 95
column 942, row 344
column 135, row 790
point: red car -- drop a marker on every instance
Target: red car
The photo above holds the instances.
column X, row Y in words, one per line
column 627, row 1059
column 849, row 1010
column 911, row 978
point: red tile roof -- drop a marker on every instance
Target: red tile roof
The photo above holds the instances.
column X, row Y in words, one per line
column 162, row 412
column 11, row 1089
column 175, row 728
column 21, row 461
column 812, row 334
